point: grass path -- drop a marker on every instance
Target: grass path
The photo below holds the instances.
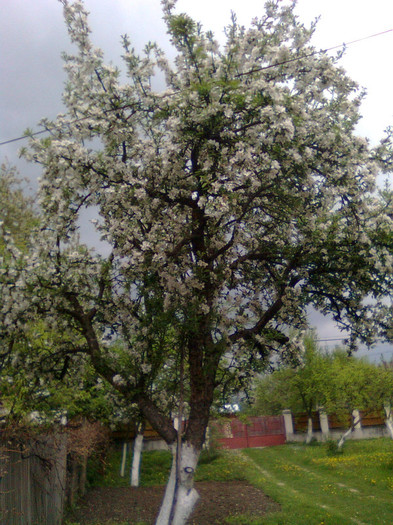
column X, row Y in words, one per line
column 332, row 479
column 316, row 489
column 300, row 496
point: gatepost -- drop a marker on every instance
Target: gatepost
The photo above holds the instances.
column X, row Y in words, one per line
column 324, row 422
column 288, row 424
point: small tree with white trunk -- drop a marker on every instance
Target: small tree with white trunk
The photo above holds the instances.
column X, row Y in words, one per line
column 354, row 385
column 232, row 199
column 298, row 386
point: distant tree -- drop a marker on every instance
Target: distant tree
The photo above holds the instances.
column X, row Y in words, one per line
column 337, row 382
column 384, row 399
column 354, row 384
column 299, row 387
column 274, row 393
column 232, row 200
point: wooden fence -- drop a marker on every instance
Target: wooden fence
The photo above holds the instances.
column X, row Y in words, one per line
column 32, row 482
column 300, row 422
column 332, row 426
column 367, row 419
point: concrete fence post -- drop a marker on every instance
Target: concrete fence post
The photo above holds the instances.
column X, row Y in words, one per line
column 324, row 422
column 288, row 424
column 357, row 427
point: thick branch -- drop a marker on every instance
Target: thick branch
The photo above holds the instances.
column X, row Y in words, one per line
column 161, row 423
column 266, row 317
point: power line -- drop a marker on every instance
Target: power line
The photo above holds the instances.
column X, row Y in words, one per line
column 24, row 137
column 48, row 130
column 331, row 339
column 327, row 339
column 295, row 59
column 360, row 39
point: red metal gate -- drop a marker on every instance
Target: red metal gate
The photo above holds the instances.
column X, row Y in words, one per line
column 257, row 432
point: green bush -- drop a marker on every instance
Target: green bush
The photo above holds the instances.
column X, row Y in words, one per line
column 208, row 456
column 332, row 448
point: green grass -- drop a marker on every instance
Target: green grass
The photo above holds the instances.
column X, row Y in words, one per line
column 312, row 486
column 155, row 467
column 315, row 488
column 110, row 522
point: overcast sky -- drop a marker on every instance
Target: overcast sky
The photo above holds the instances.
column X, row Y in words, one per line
column 33, row 35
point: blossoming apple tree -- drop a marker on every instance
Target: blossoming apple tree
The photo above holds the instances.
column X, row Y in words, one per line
column 232, row 199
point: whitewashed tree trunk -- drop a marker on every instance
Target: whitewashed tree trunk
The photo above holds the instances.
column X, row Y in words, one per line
column 343, row 438
column 389, row 420
column 123, row 460
column 309, row 431
column 136, row 458
column 355, row 426
column 180, row 496
column 389, row 426
column 166, row 505
column 185, row 495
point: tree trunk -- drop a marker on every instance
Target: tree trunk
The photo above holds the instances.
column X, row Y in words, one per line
column 389, row 426
column 355, row 422
column 136, row 456
column 123, row 460
column 309, row 431
column 166, row 505
column 180, row 496
column 343, row 438
column 389, row 420
column 83, row 475
column 73, row 492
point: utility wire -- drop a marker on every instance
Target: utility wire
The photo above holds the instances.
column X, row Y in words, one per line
column 295, row 59
column 48, row 130
column 328, row 339
column 24, row 137
column 331, row 339
column 345, row 44
column 28, row 135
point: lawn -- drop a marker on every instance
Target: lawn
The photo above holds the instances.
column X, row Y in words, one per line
column 155, row 467
column 313, row 485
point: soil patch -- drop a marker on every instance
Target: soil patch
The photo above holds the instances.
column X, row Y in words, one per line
column 132, row 505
